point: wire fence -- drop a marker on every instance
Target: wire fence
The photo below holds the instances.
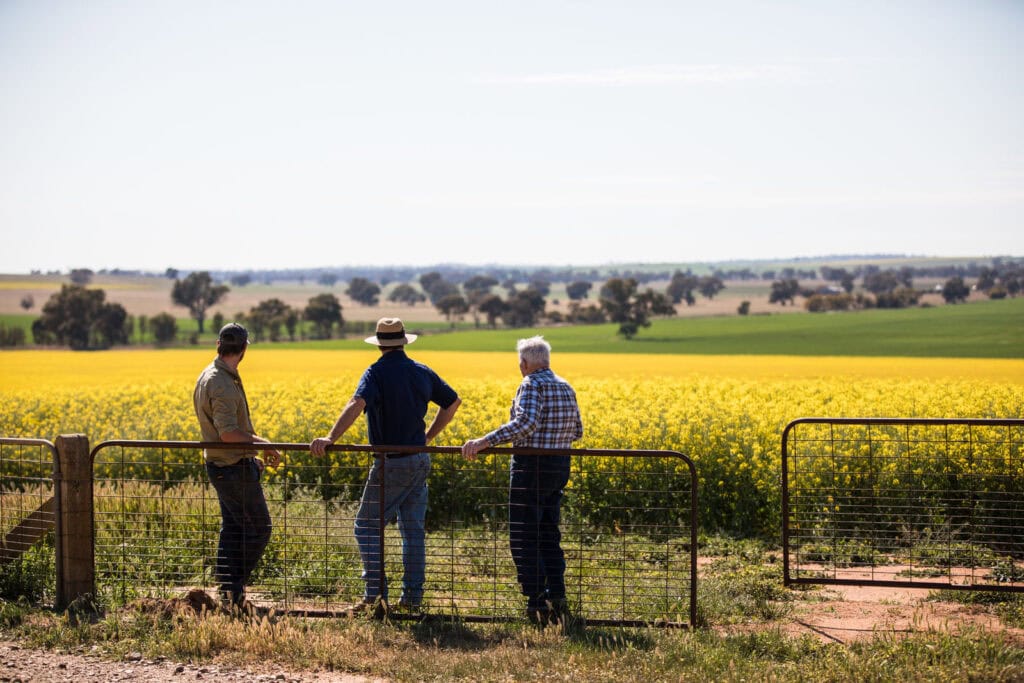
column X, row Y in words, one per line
column 929, row 503
column 628, row 530
column 27, row 518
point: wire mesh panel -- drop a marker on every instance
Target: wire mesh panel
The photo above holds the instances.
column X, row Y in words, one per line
column 158, row 523
column 627, row 530
column 27, row 519
column 904, row 502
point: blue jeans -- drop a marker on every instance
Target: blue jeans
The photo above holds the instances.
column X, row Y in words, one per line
column 244, row 523
column 534, row 511
column 405, row 500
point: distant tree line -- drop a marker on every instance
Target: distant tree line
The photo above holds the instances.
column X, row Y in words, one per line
column 80, row 317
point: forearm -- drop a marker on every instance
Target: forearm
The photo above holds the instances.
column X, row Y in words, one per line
column 441, row 420
column 347, row 418
column 238, row 436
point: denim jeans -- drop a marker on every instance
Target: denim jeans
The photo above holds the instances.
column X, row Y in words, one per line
column 534, row 511
column 405, row 500
column 244, row 523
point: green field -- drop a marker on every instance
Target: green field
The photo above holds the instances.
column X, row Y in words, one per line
column 987, row 329
column 984, row 329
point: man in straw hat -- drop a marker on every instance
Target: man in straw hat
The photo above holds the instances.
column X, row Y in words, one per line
column 394, row 393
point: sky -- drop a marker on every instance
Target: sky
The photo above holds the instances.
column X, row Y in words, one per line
column 315, row 133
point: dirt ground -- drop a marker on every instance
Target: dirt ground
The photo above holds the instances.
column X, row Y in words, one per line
column 19, row 664
column 852, row 613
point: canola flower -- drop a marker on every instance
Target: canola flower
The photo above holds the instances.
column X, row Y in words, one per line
column 727, row 413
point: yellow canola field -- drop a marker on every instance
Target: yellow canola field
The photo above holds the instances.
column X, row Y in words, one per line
column 725, row 412
column 629, row 401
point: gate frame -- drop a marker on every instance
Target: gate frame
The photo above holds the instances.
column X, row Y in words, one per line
column 384, row 448
column 789, row 580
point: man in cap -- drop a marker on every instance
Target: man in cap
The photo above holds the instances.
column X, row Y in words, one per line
column 223, row 413
column 394, row 393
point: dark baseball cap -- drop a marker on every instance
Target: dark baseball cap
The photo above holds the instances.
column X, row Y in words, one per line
column 233, row 333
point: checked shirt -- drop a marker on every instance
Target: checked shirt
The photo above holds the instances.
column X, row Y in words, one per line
column 544, row 414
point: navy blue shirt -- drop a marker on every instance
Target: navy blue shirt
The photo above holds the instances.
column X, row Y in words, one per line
column 397, row 390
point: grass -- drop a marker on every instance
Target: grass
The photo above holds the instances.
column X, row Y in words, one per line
column 988, row 329
column 456, row 651
column 984, row 329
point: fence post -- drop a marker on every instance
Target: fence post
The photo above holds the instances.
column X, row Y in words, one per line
column 76, row 575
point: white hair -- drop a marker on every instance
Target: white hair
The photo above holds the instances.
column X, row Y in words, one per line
column 535, row 351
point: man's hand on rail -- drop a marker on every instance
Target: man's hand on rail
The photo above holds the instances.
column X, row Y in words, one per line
column 318, row 447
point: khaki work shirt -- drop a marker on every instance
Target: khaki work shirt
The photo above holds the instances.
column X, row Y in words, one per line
column 221, row 406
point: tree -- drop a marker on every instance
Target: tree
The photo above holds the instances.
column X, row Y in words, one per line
column 171, row 273
column 110, row 326
column 27, row 302
column 478, row 288
column 540, row 285
column 324, row 311
column 363, row 291
column 291, row 321
column 493, row 307
column 436, row 287
column 955, row 290
column 523, row 308
column 743, row 308
column 80, row 318
column 81, row 276
column 681, row 287
column 578, row 290
column 632, row 310
column 164, row 326
column 269, row 315
column 710, row 285
column 783, row 291
column 589, row 314
column 197, row 293
column 406, row 294
column 882, row 282
column 453, row 306
column 327, row 279
column 241, row 280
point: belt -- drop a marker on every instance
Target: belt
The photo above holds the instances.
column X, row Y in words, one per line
column 394, row 456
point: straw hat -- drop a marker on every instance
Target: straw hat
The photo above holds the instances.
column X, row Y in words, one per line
column 390, row 332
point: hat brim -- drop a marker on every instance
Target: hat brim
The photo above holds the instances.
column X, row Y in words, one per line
column 408, row 339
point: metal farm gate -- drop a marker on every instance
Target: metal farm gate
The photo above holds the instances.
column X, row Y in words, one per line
column 923, row 503
column 28, row 513
column 629, row 531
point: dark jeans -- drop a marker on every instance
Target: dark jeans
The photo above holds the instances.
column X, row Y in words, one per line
column 534, row 502
column 244, row 523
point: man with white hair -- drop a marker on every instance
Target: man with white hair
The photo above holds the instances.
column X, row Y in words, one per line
column 544, row 414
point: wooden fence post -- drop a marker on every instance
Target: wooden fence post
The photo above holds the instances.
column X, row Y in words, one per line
column 76, row 575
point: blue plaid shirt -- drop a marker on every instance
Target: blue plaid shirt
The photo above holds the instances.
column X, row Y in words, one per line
column 544, row 414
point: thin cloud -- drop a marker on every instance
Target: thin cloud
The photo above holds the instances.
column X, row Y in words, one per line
column 666, row 74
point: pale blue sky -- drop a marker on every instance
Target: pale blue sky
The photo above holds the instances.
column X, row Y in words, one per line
column 199, row 134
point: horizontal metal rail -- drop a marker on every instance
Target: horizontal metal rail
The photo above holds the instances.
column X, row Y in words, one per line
column 629, row 530
column 904, row 502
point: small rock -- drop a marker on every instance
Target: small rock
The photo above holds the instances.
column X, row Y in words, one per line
column 180, row 669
